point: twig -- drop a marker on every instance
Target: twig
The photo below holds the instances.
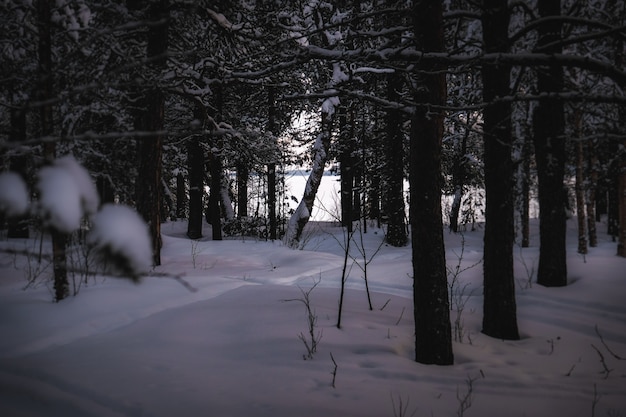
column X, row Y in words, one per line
column 619, row 358
column 334, row 372
column 400, row 318
column 606, row 370
column 595, row 400
column 401, row 409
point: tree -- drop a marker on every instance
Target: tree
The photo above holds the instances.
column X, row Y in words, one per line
column 549, row 141
column 150, row 118
column 499, row 306
column 433, row 335
column 393, row 195
column 59, row 238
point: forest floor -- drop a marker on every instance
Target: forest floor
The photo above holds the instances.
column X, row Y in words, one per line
column 237, row 343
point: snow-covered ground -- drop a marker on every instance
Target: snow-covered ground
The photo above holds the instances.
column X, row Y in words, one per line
column 232, row 347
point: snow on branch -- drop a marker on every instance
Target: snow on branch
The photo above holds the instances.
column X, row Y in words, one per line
column 221, row 20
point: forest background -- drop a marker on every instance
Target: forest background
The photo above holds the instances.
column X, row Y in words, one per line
column 489, row 102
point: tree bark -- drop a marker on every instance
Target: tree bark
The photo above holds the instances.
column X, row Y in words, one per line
column 580, row 183
column 346, row 167
column 393, row 193
column 549, row 140
column 59, row 239
column 499, row 306
column 181, row 196
column 433, row 335
column 581, row 217
column 195, row 162
column 243, row 174
column 525, row 221
column 592, row 188
column 151, row 118
column 271, row 168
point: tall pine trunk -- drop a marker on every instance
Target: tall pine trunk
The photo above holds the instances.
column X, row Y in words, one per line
column 525, row 197
column 393, row 193
column 592, row 188
column 271, row 167
column 431, row 308
column 151, row 118
column 549, row 140
column 499, row 306
column 59, row 239
column 580, row 183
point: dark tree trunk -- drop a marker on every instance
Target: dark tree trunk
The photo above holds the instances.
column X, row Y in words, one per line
column 151, row 118
column 549, row 140
column 621, row 191
column 580, row 183
column 613, row 208
column 393, row 193
column 593, row 162
column 526, row 158
column 181, row 196
column 59, row 239
column 499, row 306
column 195, row 162
column 346, row 166
column 433, row 335
column 271, row 168
column 215, row 188
column 243, row 174
column 105, row 190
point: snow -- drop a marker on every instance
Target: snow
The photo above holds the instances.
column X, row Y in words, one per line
column 14, row 198
column 66, row 194
column 90, row 199
column 231, row 347
column 329, row 105
column 120, row 231
column 60, row 200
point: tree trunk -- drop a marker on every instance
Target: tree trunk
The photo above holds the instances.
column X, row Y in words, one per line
column 181, row 196
column 215, row 190
column 271, row 168
column 621, row 191
column 59, row 239
column 580, row 199
column 526, row 156
column 549, row 140
column 393, row 193
column 195, row 162
column 499, row 306
column 591, row 194
column 346, row 171
column 580, row 183
column 433, row 335
column 243, row 175
column 151, row 118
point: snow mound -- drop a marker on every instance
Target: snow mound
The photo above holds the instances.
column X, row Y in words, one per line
column 59, row 199
column 13, row 194
column 119, row 234
column 86, row 188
